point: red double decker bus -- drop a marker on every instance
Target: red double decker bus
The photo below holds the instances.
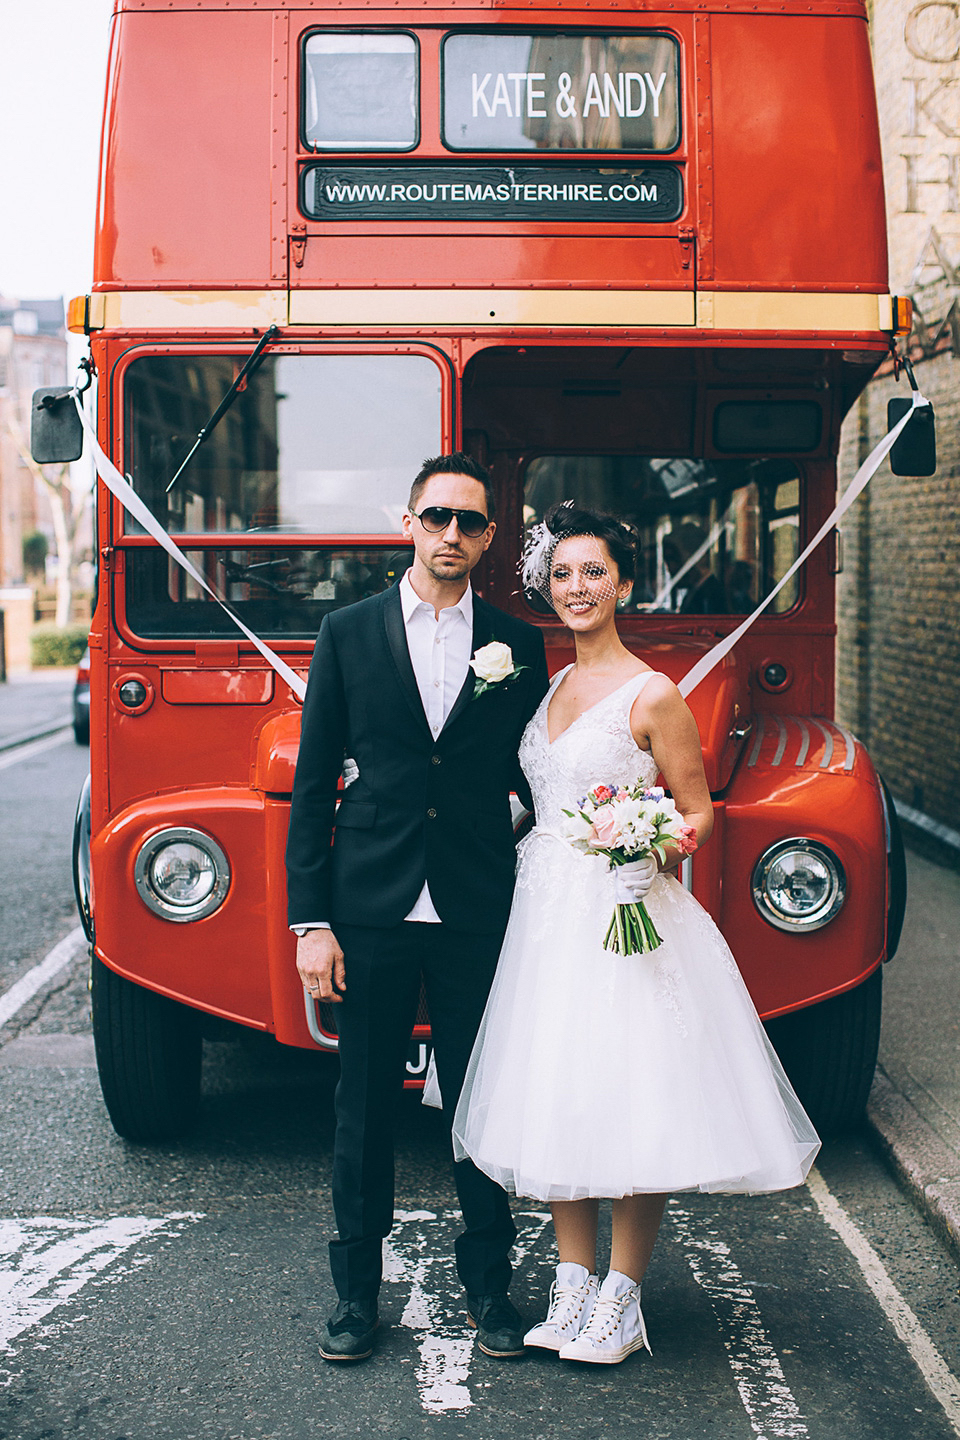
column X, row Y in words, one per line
column 631, row 255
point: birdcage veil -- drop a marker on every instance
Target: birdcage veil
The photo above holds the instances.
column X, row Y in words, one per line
column 558, row 572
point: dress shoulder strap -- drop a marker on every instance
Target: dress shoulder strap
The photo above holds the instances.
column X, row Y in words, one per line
column 557, row 678
column 633, row 690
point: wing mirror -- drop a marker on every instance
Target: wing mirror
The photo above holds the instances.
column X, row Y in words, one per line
column 56, row 434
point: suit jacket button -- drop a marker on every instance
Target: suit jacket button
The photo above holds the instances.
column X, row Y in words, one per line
column 431, row 814
column 435, row 759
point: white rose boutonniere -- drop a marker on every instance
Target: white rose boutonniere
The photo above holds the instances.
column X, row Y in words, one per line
column 493, row 665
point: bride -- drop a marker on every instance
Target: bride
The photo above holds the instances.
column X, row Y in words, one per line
column 595, row 1074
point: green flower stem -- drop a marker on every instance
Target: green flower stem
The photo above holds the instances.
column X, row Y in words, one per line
column 631, row 931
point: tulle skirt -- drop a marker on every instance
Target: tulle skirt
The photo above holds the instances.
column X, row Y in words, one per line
column 597, row 1074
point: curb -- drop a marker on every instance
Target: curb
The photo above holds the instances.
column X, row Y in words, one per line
column 26, row 737
column 927, row 1168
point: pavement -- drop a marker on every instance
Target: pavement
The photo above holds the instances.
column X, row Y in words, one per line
column 35, row 705
column 913, row 1115
column 914, row 1107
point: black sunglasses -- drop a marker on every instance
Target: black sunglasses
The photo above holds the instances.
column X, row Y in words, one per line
column 436, row 518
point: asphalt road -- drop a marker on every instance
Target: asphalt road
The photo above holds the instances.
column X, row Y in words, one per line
column 177, row 1292
column 39, row 787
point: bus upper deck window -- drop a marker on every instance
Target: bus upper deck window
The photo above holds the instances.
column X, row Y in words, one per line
column 360, row 91
column 561, row 92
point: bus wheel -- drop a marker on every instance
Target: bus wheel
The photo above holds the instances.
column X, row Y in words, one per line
column 829, row 1052
column 148, row 1055
column 897, row 872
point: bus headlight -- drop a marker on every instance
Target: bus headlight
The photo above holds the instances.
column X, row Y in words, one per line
column 798, row 884
column 182, row 874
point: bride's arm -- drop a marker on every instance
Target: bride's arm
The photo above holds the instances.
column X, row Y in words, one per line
column 661, row 721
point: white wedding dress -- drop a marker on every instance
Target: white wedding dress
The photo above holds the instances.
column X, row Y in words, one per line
column 597, row 1074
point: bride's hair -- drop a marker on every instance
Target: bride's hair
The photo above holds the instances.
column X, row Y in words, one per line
column 620, row 538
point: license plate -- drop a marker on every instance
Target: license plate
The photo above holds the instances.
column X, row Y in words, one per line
column 418, row 1058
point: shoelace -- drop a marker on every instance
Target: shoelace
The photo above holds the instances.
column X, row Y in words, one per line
column 561, row 1308
column 607, row 1315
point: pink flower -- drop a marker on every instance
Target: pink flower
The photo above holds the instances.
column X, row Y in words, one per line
column 602, row 793
column 623, row 794
column 604, row 831
column 688, row 840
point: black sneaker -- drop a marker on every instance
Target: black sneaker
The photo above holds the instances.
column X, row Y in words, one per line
column 499, row 1328
column 348, row 1334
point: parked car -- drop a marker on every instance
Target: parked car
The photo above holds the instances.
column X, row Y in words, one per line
column 81, row 701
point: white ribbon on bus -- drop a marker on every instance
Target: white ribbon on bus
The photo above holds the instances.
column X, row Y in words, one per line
column 130, row 500
column 866, row 472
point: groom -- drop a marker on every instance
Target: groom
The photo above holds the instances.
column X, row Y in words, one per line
column 419, row 877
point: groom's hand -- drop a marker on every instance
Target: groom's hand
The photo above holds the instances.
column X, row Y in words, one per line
column 321, row 966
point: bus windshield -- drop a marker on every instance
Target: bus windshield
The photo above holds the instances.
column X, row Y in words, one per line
column 316, row 444
column 714, row 535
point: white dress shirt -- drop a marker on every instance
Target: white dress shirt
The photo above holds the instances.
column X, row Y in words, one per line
column 440, row 647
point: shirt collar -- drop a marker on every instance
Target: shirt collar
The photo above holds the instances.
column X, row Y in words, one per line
column 410, row 602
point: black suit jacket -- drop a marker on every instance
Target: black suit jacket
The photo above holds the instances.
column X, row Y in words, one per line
column 423, row 808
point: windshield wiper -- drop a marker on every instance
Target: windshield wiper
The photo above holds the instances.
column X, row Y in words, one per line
column 255, row 574
column 251, row 365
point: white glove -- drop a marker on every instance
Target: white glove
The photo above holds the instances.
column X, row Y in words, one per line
column 634, row 880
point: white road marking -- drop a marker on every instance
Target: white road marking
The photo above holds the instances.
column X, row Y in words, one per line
column 27, row 986
column 420, row 1253
column 44, row 1261
column 941, row 1382
column 35, row 747
column 771, row 1409
column 409, row 1255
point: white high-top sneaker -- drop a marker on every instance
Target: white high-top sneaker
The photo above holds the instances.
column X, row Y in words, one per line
column 616, row 1326
column 572, row 1296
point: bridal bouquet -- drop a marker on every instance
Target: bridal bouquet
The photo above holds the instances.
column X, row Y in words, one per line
column 628, row 825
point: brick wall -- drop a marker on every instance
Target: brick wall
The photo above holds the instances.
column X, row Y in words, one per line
column 898, row 652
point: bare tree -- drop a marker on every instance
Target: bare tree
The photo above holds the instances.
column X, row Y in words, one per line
column 67, row 508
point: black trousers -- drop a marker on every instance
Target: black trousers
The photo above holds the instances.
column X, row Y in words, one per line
column 383, row 970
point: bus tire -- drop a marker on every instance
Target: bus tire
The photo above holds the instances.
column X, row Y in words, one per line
column 829, row 1052
column 897, row 873
column 148, row 1056
column 82, row 874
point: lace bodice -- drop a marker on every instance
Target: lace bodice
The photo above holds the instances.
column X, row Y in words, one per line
column 598, row 746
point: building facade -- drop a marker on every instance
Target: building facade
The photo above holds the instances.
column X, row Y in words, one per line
column 33, row 352
column 898, row 656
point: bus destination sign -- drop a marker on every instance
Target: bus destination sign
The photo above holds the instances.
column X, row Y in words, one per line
column 607, row 193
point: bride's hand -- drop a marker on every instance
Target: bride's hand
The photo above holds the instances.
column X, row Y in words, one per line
column 634, row 880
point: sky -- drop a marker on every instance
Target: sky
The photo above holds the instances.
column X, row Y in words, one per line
column 51, row 98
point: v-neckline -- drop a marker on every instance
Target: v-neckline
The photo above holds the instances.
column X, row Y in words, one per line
column 589, row 709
